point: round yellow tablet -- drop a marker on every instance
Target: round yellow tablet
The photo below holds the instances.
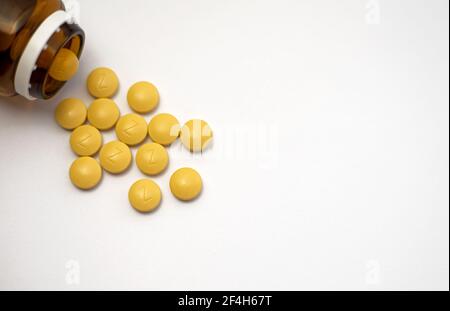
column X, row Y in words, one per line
column 152, row 158
column 115, row 157
column 85, row 140
column 64, row 66
column 143, row 97
column 102, row 82
column 70, row 113
column 103, row 113
column 144, row 195
column 164, row 129
column 185, row 184
column 131, row 129
column 196, row 135
column 85, row 173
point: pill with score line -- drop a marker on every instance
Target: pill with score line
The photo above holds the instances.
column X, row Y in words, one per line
column 131, row 129
column 115, row 157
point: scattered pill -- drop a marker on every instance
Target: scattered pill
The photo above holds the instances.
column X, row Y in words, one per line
column 70, row 113
column 102, row 82
column 85, row 140
column 64, row 66
column 115, row 157
column 131, row 129
column 144, row 195
column 152, row 158
column 103, row 113
column 85, row 173
column 196, row 135
column 143, row 97
column 185, row 184
column 164, row 129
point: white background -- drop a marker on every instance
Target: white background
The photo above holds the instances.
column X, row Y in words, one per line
column 329, row 168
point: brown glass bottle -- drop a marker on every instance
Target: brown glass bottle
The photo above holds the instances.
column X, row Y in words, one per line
column 23, row 24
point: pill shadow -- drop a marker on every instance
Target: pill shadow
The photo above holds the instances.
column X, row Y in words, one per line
column 146, row 140
column 20, row 105
column 91, row 189
column 121, row 173
column 188, row 202
column 152, row 211
column 155, row 175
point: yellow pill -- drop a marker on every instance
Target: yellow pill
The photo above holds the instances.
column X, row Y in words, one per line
column 64, row 66
column 70, row 113
column 102, row 82
column 115, row 157
column 144, row 195
column 85, row 140
column 185, row 184
column 143, row 97
column 131, row 129
column 85, row 173
column 152, row 158
column 164, row 128
column 103, row 113
column 196, row 135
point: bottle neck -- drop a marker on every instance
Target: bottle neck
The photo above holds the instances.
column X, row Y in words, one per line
column 32, row 79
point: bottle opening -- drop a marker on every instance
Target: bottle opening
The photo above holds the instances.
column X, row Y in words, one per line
column 42, row 85
column 32, row 33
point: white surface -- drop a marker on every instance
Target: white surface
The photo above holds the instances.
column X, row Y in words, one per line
column 329, row 168
column 31, row 53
